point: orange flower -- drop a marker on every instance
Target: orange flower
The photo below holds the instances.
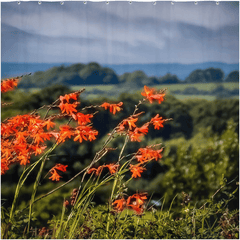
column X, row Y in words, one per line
column 136, row 202
column 119, row 204
column 157, row 122
column 4, row 166
column 83, row 119
column 137, row 209
column 49, row 124
column 41, row 137
column 38, row 149
column 138, row 132
column 9, row 84
column 112, row 167
column 135, row 136
column 148, row 92
column 17, row 134
column 6, row 150
column 159, row 97
column 129, row 122
column 69, row 106
column 60, row 167
column 86, row 133
column 67, row 97
column 55, row 176
column 137, row 199
column 147, row 154
column 143, row 129
column 92, row 170
column 21, row 137
column 24, row 159
column 151, row 95
column 96, row 170
column 92, row 135
column 112, row 107
column 136, row 170
column 65, row 132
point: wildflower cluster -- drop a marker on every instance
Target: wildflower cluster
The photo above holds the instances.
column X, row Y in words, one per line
column 9, row 84
column 26, row 135
column 128, row 125
column 144, row 155
column 23, row 136
column 129, row 128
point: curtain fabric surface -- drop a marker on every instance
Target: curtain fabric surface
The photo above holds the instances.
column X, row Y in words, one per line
column 154, row 37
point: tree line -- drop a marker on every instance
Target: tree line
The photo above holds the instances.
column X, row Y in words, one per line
column 94, row 74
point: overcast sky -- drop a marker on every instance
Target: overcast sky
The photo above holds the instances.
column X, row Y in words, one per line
column 120, row 32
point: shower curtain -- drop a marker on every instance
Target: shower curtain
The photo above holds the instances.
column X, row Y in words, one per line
column 120, row 119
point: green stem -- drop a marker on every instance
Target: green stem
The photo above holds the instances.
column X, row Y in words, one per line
column 34, row 192
column 36, row 184
column 112, row 193
column 23, row 178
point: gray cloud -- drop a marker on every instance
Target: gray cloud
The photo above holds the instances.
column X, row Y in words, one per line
column 119, row 32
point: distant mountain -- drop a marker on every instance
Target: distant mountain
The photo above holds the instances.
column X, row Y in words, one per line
column 153, row 69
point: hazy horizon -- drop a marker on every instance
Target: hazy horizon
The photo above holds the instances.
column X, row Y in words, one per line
column 156, row 69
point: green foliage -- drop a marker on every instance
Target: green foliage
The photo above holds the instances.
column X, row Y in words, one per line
column 76, row 74
column 205, row 76
column 196, row 166
column 213, row 220
column 136, row 80
column 213, row 114
column 169, row 79
column 232, row 77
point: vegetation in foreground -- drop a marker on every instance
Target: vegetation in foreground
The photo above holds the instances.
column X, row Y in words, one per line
column 79, row 219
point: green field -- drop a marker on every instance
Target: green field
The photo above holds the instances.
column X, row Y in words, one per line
column 186, row 97
column 94, row 87
column 199, row 86
column 112, row 91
